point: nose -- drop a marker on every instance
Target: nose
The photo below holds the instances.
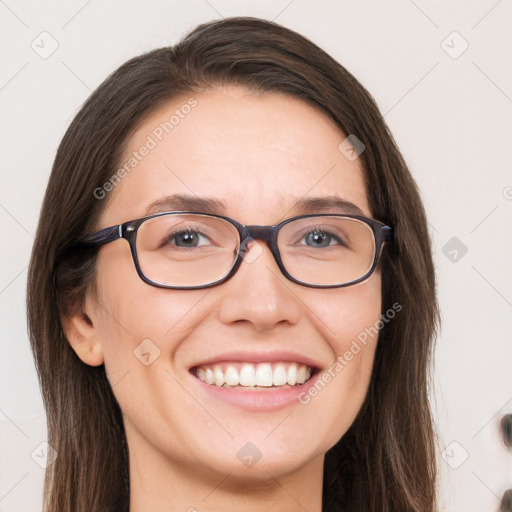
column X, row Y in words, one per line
column 258, row 294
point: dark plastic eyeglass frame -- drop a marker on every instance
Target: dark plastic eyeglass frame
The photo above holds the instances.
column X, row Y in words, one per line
column 269, row 234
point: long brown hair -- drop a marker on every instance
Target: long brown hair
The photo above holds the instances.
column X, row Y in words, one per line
column 386, row 461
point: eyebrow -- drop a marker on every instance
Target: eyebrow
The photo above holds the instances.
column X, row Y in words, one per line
column 185, row 202
column 319, row 204
column 304, row 205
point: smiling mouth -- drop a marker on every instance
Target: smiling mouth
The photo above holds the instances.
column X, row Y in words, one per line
column 254, row 376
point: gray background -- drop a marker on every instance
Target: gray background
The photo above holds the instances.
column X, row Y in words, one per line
column 449, row 108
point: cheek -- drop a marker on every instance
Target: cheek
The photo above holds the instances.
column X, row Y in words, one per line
column 347, row 314
column 348, row 320
column 141, row 328
column 138, row 322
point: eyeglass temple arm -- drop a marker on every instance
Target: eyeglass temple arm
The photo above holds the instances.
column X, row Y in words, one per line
column 388, row 233
column 103, row 236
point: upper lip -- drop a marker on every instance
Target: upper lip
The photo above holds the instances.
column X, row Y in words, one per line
column 244, row 356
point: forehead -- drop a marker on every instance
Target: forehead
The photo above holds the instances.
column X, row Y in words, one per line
column 257, row 154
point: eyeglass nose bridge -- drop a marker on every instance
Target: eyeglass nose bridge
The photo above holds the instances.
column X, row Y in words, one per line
column 255, row 232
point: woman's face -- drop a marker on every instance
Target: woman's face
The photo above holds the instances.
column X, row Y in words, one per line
column 258, row 155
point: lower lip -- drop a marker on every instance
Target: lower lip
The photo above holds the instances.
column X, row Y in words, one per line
column 264, row 399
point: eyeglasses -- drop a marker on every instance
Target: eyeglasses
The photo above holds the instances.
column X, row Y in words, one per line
column 190, row 250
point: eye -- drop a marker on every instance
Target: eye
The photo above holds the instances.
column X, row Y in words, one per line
column 323, row 238
column 186, row 238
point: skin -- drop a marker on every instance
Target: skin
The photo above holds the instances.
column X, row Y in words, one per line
column 249, row 150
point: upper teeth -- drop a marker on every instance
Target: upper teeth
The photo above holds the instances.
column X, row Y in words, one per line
column 249, row 375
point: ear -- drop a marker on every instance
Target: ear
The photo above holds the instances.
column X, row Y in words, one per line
column 83, row 336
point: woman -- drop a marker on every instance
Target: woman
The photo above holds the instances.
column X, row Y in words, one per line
column 231, row 295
